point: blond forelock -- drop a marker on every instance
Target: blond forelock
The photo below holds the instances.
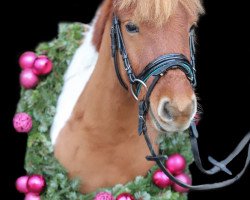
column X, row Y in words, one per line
column 157, row 11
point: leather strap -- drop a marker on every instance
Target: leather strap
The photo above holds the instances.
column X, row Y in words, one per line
column 192, row 50
column 117, row 43
column 218, row 166
column 164, row 63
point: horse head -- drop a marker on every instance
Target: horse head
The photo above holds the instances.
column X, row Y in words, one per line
column 151, row 29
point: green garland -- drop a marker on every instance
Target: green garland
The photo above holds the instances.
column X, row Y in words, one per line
column 40, row 103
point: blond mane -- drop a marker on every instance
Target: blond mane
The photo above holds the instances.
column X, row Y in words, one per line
column 157, row 11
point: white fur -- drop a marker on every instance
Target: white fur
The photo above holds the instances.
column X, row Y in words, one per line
column 75, row 79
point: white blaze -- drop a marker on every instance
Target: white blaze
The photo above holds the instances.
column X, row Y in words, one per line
column 75, row 79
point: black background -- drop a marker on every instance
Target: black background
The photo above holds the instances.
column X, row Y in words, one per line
column 223, row 82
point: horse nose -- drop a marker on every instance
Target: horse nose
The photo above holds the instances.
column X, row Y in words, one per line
column 178, row 112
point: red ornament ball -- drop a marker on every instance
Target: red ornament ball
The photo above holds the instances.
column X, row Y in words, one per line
column 22, row 122
column 21, row 184
column 160, row 179
column 183, row 178
column 32, row 196
column 27, row 59
column 104, row 196
column 176, row 163
column 42, row 65
column 125, row 196
column 28, row 79
column 36, row 183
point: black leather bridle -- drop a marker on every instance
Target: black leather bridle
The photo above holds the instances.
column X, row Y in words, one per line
column 157, row 69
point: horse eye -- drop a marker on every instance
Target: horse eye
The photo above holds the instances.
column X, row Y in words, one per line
column 132, row 28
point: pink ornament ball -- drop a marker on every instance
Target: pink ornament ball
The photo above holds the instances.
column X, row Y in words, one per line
column 21, row 184
column 36, row 183
column 32, row 196
column 197, row 118
column 27, row 59
column 22, row 122
column 183, row 178
column 160, row 179
column 42, row 65
column 176, row 163
column 125, row 196
column 28, row 79
column 104, row 196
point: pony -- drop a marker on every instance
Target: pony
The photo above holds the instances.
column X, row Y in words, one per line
column 94, row 132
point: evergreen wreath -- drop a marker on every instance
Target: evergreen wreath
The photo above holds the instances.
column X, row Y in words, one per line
column 40, row 104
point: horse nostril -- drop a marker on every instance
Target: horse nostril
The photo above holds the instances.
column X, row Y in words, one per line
column 166, row 111
column 178, row 111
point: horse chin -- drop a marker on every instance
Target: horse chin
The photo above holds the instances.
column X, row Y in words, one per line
column 165, row 128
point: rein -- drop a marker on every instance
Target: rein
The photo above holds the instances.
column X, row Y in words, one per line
column 157, row 69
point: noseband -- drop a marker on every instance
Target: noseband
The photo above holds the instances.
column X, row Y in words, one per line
column 157, row 69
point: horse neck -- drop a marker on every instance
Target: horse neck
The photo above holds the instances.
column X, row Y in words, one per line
column 107, row 106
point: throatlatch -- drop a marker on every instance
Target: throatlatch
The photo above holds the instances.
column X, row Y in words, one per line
column 157, row 69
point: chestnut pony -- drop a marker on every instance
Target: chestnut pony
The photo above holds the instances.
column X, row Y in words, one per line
column 98, row 143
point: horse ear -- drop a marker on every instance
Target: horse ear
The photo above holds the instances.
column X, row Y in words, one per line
column 102, row 16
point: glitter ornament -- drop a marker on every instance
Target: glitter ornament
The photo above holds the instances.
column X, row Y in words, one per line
column 22, row 122
column 104, row 196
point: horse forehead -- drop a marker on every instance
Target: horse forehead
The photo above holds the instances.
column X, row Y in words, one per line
column 177, row 26
column 170, row 37
column 167, row 32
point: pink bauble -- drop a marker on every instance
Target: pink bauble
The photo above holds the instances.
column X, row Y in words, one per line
column 104, row 196
column 32, row 196
column 197, row 118
column 42, row 65
column 176, row 163
column 36, row 183
column 22, row 122
column 27, row 59
column 160, row 179
column 21, row 184
column 125, row 196
column 183, row 178
column 28, row 79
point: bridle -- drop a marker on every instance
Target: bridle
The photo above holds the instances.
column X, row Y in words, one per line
column 157, row 69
